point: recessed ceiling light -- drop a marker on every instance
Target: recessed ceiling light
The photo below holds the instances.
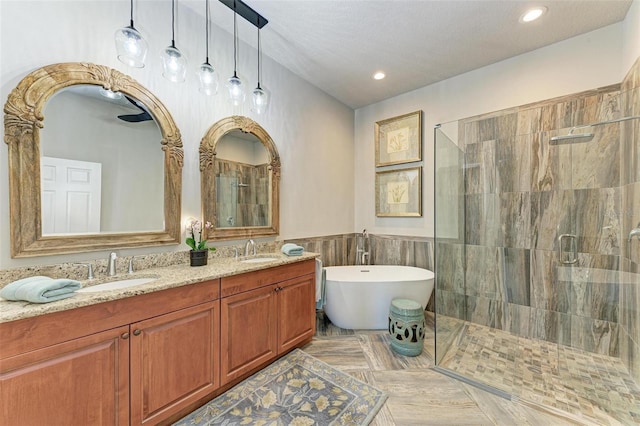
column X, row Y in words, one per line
column 533, row 14
column 379, row 75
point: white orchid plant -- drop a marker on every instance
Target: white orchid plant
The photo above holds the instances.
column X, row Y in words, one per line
column 194, row 227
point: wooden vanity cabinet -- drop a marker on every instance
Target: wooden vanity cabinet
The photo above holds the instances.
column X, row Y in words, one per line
column 148, row 359
column 132, row 361
column 82, row 381
column 174, row 361
column 265, row 314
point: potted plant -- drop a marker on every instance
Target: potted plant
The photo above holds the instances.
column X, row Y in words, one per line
column 199, row 251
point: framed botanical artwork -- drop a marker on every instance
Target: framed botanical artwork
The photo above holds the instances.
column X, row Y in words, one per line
column 399, row 192
column 399, row 139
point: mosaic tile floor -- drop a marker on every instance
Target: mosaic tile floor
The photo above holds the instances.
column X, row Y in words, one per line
column 594, row 386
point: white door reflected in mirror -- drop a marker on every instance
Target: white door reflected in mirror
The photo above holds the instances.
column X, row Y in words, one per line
column 71, row 196
column 121, row 135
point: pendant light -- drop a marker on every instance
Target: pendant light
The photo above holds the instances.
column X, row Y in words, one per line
column 260, row 97
column 207, row 74
column 174, row 63
column 234, row 84
column 131, row 46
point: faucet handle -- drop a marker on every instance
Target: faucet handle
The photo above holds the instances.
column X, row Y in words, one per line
column 131, row 265
column 89, row 266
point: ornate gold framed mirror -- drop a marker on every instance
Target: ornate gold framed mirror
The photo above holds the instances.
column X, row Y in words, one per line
column 239, row 180
column 106, row 216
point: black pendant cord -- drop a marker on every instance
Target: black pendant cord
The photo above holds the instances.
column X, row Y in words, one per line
column 131, row 18
column 207, row 33
column 173, row 24
column 259, row 54
column 235, row 38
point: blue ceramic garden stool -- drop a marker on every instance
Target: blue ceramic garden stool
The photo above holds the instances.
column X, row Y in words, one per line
column 406, row 326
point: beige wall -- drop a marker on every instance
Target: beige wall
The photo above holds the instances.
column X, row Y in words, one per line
column 312, row 131
column 585, row 62
column 326, row 148
column 631, row 38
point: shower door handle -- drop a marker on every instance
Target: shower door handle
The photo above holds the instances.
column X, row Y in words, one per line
column 574, row 252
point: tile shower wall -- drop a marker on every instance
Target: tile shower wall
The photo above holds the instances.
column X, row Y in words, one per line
column 521, row 193
column 630, row 194
column 242, row 193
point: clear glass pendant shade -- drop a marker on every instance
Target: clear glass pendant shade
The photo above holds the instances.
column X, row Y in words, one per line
column 131, row 47
column 260, row 100
column 208, row 79
column 174, row 64
column 236, row 91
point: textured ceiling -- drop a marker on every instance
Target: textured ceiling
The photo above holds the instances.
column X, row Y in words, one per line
column 338, row 44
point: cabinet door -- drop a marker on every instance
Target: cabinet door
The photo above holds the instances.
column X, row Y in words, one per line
column 297, row 312
column 84, row 381
column 174, row 361
column 248, row 336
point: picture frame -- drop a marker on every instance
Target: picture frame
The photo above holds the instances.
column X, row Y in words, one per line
column 398, row 139
column 399, row 192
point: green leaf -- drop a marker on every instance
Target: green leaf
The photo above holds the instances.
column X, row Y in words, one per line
column 191, row 243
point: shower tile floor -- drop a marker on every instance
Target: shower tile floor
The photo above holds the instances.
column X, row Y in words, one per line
column 555, row 385
column 597, row 387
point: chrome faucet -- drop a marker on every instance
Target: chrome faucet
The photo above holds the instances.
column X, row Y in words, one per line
column 89, row 266
column 362, row 248
column 247, row 245
column 111, row 269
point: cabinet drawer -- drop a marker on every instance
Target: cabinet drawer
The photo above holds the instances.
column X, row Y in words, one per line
column 256, row 279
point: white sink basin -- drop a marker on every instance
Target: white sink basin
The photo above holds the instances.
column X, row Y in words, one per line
column 115, row 285
column 259, row 260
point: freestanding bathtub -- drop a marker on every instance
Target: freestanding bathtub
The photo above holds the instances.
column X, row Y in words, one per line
column 358, row 296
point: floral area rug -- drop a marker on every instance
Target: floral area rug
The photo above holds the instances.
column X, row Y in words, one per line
column 298, row 389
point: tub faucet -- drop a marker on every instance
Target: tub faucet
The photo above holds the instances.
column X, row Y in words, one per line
column 111, row 269
column 247, row 245
column 362, row 248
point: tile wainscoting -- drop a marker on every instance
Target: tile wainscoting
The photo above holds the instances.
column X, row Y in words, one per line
column 339, row 250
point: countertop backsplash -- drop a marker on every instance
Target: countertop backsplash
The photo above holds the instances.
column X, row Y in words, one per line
column 75, row 271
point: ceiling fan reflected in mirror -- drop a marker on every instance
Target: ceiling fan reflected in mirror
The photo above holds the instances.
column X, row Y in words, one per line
column 136, row 118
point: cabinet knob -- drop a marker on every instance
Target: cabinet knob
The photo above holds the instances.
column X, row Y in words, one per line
column 136, row 332
column 125, row 335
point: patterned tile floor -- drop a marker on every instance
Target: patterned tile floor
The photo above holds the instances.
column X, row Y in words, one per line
column 578, row 382
column 418, row 395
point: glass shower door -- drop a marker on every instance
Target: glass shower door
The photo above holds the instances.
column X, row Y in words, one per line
column 450, row 306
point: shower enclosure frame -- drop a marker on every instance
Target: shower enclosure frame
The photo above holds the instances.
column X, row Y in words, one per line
column 569, row 246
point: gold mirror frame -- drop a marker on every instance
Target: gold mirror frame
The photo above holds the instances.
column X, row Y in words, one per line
column 208, row 188
column 22, row 123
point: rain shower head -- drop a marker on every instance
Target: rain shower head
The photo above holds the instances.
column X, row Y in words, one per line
column 571, row 137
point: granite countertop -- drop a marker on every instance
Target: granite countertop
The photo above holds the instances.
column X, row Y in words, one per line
column 167, row 277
